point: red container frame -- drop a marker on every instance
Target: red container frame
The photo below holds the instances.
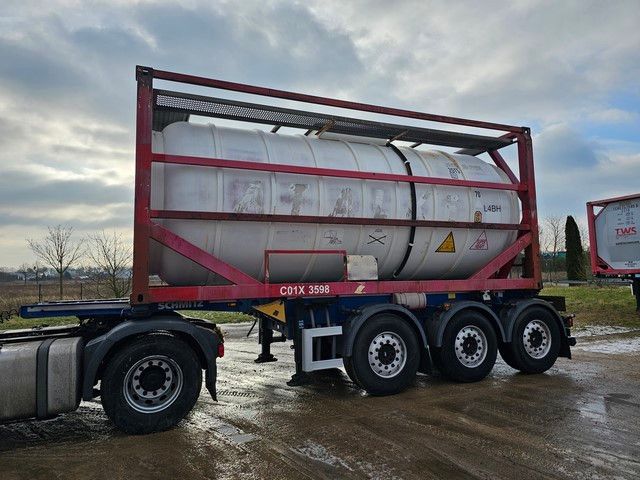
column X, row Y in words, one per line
column 599, row 266
column 492, row 277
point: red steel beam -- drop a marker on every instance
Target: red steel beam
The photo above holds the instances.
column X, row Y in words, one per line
column 292, row 290
column 304, row 252
column 503, row 258
column 602, row 203
column 144, row 119
column 328, row 172
column 502, row 165
column 255, row 217
column 532, row 266
column 300, row 97
column 201, row 257
column 593, row 246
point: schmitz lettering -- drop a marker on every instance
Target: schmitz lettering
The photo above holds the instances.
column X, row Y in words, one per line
column 180, row 305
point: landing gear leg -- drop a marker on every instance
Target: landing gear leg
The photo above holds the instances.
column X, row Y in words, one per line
column 300, row 377
column 266, row 339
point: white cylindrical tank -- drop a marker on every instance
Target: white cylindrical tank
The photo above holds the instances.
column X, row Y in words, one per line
column 436, row 252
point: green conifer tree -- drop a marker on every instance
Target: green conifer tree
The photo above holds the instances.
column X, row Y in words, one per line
column 575, row 253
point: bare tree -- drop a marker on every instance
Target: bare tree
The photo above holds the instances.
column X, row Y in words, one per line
column 112, row 255
column 37, row 269
column 58, row 250
column 24, row 270
column 553, row 239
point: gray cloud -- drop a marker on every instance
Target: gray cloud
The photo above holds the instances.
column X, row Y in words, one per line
column 572, row 171
column 560, row 146
column 523, row 61
column 67, row 88
column 34, row 66
column 19, row 187
column 118, row 218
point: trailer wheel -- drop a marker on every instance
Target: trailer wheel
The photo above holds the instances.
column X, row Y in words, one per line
column 348, row 367
column 385, row 355
column 150, row 384
column 507, row 355
column 535, row 343
column 469, row 348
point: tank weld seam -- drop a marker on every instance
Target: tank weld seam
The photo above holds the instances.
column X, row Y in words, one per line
column 414, row 207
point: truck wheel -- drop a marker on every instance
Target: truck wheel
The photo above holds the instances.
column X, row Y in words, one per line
column 385, row 355
column 151, row 384
column 535, row 343
column 469, row 348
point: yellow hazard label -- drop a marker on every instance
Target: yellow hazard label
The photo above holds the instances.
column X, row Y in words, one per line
column 448, row 245
column 274, row 310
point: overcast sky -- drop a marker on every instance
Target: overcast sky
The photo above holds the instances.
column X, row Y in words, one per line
column 570, row 70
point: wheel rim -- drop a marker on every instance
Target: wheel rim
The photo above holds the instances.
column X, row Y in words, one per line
column 536, row 339
column 387, row 354
column 471, row 346
column 153, row 384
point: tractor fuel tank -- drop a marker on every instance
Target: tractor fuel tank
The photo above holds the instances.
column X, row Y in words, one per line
column 40, row 378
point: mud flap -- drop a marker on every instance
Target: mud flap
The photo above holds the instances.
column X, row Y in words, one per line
column 210, row 379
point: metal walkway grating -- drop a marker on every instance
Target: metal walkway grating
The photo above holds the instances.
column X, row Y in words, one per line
column 171, row 106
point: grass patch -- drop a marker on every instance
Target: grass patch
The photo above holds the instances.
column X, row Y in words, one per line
column 17, row 322
column 219, row 317
column 593, row 305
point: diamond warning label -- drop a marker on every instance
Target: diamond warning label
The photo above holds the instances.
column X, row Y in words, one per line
column 448, row 245
column 481, row 242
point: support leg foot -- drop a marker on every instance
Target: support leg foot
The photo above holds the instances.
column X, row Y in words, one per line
column 264, row 358
column 299, row 379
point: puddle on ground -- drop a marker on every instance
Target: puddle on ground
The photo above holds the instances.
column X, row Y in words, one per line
column 597, row 330
column 622, row 345
column 319, row 453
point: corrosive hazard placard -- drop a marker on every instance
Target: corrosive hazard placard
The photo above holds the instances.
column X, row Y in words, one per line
column 448, row 245
column 481, row 242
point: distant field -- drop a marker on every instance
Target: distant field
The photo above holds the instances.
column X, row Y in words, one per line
column 12, row 295
column 592, row 305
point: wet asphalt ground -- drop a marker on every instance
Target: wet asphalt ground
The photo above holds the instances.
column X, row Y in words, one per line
column 579, row 420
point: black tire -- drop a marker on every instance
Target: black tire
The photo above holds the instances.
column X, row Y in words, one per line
column 520, row 354
column 385, row 330
column 436, row 358
column 182, row 394
column 463, row 332
column 507, row 355
column 348, row 367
